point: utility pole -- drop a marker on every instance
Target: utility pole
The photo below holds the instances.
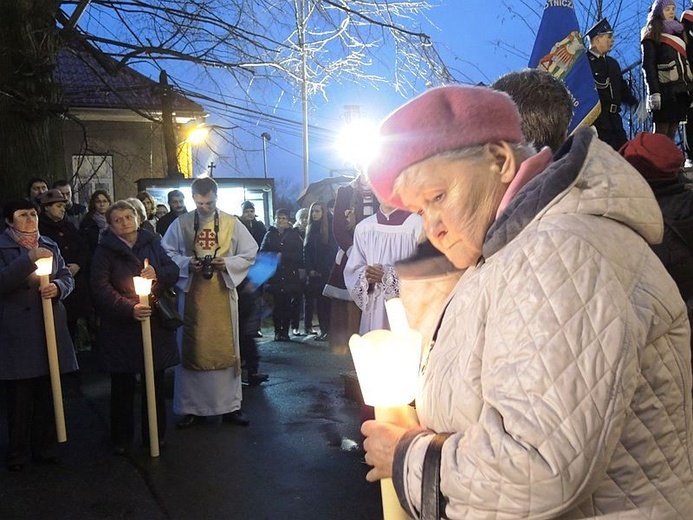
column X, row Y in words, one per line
column 265, row 137
column 169, row 131
column 304, row 86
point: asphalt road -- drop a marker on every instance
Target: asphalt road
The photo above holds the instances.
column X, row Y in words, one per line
column 300, row 458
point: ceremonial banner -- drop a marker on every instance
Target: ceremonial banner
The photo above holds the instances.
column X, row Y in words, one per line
column 560, row 50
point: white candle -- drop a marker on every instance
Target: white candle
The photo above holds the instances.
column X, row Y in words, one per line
column 387, row 365
column 396, row 316
column 143, row 286
column 44, row 268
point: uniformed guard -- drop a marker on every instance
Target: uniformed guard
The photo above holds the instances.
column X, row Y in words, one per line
column 611, row 87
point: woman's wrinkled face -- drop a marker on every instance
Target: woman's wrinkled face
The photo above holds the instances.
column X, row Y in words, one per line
column 123, row 222
column 55, row 211
column 669, row 12
column 101, row 204
column 304, row 219
column 316, row 213
column 24, row 221
column 458, row 200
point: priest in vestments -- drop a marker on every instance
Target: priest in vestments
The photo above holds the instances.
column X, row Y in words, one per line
column 214, row 252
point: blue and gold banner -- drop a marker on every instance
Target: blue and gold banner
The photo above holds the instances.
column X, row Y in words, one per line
column 560, row 50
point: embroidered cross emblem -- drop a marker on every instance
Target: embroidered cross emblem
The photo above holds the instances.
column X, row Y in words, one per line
column 206, row 239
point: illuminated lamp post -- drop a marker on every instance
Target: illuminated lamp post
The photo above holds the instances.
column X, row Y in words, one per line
column 44, row 267
column 143, row 287
column 358, row 142
column 265, row 137
column 387, row 365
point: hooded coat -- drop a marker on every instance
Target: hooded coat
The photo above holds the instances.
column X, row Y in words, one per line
column 289, row 244
column 562, row 362
column 119, row 340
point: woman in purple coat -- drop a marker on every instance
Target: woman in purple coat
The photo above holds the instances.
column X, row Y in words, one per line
column 123, row 253
column 23, row 358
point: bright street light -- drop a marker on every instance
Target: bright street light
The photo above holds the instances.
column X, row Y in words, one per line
column 358, row 142
column 197, row 135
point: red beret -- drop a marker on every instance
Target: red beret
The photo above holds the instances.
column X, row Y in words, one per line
column 655, row 156
column 440, row 120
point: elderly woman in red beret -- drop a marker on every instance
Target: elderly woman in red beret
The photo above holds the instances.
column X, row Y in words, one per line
column 558, row 383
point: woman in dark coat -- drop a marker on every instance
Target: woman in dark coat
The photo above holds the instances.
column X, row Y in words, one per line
column 54, row 224
column 123, row 253
column 666, row 67
column 285, row 285
column 659, row 161
column 94, row 222
column 319, row 250
column 23, row 359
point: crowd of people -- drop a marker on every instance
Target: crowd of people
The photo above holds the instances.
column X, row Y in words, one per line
column 202, row 257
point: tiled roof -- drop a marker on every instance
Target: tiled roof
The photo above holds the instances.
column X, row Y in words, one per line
column 88, row 82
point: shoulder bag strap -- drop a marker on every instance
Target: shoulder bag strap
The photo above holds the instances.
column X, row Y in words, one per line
column 430, row 487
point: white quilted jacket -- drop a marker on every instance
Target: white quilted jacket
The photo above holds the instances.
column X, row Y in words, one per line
column 562, row 363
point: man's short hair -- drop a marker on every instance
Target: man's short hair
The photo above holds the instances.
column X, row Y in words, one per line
column 60, row 183
column 203, row 186
column 35, row 180
column 545, row 105
column 173, row 194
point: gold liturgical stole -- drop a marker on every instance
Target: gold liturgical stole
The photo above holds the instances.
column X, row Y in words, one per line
column 208, row 331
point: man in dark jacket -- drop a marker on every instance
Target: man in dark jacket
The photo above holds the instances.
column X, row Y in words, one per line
column 176, row 203
column 250, row 221
column 611, row 87
column 73, row 211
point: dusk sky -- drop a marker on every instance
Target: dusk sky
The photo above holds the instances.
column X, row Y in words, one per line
column 478, row 41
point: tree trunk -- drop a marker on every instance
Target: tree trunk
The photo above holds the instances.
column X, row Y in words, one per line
column 30, row 124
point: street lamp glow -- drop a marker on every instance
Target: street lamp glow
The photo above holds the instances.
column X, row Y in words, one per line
column 358, row 142
column 198, row 134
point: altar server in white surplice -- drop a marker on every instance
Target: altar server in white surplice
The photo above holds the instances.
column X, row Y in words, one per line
column 380, row 240
column 214, row 252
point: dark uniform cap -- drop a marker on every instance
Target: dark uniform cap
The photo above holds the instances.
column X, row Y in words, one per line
column 51, row 196
column 601, row 27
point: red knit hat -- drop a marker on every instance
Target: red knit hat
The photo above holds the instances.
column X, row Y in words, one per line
column 655, row 156
column 440, row 120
